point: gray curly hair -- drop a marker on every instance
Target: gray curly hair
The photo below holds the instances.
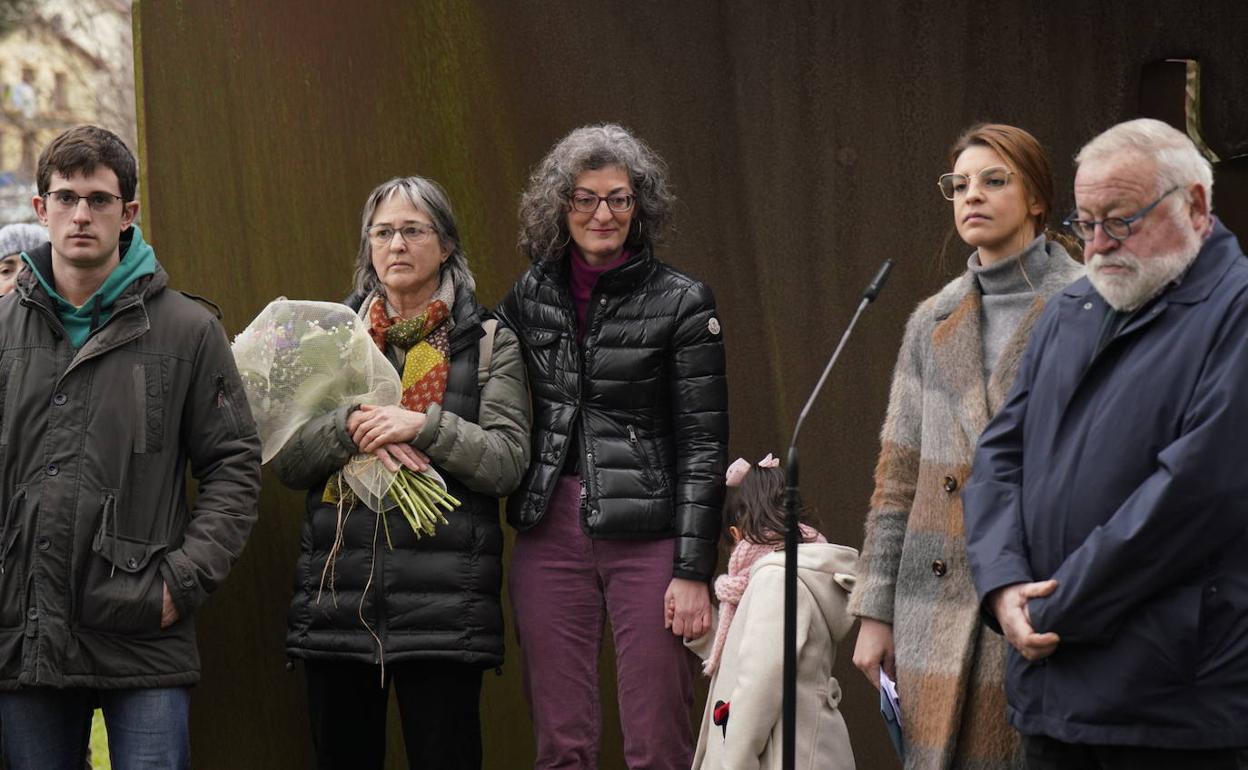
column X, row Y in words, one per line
column 428, row 196
column 544, row 206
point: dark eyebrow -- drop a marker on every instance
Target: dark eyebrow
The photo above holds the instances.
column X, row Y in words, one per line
column 84, row 195
column 624, row 190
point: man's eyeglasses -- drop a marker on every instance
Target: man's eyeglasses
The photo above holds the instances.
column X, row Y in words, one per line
column 992, row 179
column 587, row 202
column 67, row 200
column 381, row 235
column 1117, row 228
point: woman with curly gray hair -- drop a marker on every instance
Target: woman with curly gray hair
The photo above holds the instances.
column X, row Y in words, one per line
column 619, row 510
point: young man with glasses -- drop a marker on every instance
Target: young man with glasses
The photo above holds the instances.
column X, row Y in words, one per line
column 1107, row 514
column 110, row 384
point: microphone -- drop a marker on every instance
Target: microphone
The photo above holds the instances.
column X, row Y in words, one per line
column 789, row 709
column 873, row 290
column 877, row 283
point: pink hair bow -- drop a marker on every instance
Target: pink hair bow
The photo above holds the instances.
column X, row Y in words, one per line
column 736, row 472
column 741, row 466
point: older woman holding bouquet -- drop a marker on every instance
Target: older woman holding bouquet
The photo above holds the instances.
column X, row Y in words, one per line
column 373, row 602
column 619, row 514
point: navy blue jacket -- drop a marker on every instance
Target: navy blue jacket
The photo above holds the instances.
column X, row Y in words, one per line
column 1124, row 476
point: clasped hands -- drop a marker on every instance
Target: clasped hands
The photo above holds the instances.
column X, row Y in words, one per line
column 1009, row 604
column 386, row 432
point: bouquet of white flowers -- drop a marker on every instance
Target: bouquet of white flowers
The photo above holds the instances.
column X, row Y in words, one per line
column 300, row 360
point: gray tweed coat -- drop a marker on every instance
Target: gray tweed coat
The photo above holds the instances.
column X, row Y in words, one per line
column 913, row 571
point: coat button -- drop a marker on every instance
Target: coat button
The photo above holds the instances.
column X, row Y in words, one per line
column 602, row 301
column 52, row 469
column 43, row 544
column 951, row 484
column 188, row 581
column 938, row 568
column 59, row 399
column 132, row 563
column 32, row 613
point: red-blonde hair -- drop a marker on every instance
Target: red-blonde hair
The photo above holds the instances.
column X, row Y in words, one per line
column 1024, row 154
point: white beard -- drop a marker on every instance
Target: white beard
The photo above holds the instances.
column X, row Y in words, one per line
column 1145, row 277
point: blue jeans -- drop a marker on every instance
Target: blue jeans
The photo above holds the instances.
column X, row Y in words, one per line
column 47, row 729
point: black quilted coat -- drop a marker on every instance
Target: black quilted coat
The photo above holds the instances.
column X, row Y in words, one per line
column 644, row 393
column 436, row 598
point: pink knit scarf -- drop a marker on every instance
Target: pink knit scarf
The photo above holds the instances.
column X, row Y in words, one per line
column 730, row 587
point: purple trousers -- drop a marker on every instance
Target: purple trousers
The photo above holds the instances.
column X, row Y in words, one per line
column 563, row 584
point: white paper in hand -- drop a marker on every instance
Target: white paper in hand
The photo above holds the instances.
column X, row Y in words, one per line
column 890, row 709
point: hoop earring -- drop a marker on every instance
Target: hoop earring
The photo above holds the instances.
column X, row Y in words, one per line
column 637, row 233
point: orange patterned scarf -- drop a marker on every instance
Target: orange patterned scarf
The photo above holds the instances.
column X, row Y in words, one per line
column 425, row 338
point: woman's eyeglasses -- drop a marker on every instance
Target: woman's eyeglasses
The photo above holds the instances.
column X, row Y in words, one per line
column 994, row 179
column 587, row 202
column 381, row 235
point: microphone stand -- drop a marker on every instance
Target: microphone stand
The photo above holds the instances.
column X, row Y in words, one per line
column 791, row 537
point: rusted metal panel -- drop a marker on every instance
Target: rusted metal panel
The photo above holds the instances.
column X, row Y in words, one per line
column 804, row 141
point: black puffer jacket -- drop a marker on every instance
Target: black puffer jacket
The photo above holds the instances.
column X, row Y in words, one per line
column 433, row 598
column 645, row 390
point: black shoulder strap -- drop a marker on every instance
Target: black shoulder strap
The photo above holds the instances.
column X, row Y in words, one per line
column 485, row 350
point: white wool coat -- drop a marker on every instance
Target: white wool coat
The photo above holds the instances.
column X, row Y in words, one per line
column 749, row 677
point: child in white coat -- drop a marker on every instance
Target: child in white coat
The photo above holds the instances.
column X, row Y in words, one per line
column 741, row 727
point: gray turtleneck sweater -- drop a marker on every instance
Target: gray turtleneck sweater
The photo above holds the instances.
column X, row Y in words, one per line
column 1008, row 290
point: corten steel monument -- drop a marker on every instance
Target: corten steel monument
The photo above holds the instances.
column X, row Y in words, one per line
column 804, row 145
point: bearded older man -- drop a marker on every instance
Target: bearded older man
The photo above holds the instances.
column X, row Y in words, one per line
column 1107, row 512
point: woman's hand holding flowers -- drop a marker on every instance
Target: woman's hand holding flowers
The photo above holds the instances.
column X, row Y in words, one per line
column 374, row 426
column 384, row 432
column 396, row 456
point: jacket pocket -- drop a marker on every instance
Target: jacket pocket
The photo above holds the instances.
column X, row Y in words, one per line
column 540, row 338
column 12, row 568
column 11, row 371
column 232, row 408
column 540, row 351
column 122, row 588
column 149, row 408
column 651, row 472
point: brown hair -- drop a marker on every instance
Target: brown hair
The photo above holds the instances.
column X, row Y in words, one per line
column 80, row 150
column 756, row 507
column 1022, row 151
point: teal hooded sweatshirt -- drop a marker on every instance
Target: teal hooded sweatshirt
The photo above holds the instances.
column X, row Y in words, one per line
column 137, row 260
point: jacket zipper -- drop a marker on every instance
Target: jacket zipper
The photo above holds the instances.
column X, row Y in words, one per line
column 648, row 470
column 379, row 564
column 588, row 483
column 224, row 404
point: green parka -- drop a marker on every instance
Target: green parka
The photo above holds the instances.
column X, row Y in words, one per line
column 94, row 446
